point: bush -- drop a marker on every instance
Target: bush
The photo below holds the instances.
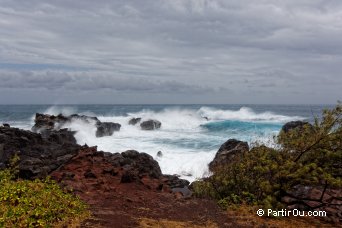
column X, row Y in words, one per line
column 38, row 203
column 309, row 156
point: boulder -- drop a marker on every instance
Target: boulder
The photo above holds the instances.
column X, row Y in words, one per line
column 141, row 163
column 39, row 154
column 227, row 153
column 150, row 125
column 295, row 125
column 6, row 125
column 134, row 121
column 106, row 128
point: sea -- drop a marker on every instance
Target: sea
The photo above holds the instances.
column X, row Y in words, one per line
column 189, row 137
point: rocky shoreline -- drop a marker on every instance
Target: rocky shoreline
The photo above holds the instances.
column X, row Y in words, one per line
column 103, row 178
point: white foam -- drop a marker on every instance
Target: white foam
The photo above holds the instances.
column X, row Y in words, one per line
column 180, row 138
column 245, row 114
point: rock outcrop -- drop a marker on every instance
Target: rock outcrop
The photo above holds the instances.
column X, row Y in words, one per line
column 150, row 125
column 106, row 128
column 39, row 154
column 227, row 152
column 295, row 125
column 45, row 122
column 134, row 121
column 55, row 152
column 92, row 171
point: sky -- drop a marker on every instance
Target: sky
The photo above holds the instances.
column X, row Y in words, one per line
column 170, row 51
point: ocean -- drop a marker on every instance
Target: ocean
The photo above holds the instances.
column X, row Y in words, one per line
column 190, row 134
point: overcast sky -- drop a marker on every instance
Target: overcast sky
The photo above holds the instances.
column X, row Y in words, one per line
column 170, row 51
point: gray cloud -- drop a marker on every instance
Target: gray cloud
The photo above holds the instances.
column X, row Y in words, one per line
column 77, row 81
column 164, row 47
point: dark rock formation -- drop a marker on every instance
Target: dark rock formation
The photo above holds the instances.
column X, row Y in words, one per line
column 141, row 163
column 174, row 182
column 48, row 122
column 62, row 136
column 294, row 125
column 150, row 125
column 106, row 128
column 84, row 118
column 228, row 152
column 39, row 154
column 134, row 121
column 6, row 125
column 42, row 154
column 159, row 154
column 45, row 122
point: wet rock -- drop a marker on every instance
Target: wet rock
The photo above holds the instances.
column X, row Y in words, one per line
column 134, row 121
column 6, row 125
column 295, row 125
column 45, row 123
column 159, row 154
column 106, row 128
column 150, row 125
column 227, row 152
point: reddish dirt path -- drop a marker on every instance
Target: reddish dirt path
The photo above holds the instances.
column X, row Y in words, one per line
column 113, row 203
column 124, row 207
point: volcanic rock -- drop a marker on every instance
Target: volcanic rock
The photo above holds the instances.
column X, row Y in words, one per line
column 295, row 125
column 134, row 121
column 150, row 125
column 142, row 163
column 39, row 155
column 227, row 152
column 106, row 128
column 174, row 181
column 160, row 154
column 45, row 123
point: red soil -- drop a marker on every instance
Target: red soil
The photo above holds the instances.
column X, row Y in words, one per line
column 116, row 204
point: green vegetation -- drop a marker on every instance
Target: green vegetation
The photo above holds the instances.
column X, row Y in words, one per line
column 38, row 203
column 310, row 156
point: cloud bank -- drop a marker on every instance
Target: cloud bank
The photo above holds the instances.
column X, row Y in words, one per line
column 170, row 51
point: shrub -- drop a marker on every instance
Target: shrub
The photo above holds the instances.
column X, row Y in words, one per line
column 38, row 203
column 311, row 155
